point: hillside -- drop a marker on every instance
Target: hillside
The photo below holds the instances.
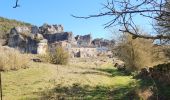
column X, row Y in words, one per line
column 7, row 24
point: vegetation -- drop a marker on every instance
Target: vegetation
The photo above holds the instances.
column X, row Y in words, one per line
column 7, row 24
column 11, row 59
column 125, row 12
column 60, row 56
column 135, row 53
column 96, row 81
column 79, row 79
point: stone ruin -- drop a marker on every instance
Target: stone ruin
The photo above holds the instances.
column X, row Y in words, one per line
column 83, row 41
column 38, row 40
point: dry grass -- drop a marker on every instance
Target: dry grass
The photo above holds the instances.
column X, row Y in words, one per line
column 39, row 80
column 11, row 59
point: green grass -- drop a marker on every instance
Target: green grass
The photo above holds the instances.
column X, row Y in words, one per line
column 7, row 24
column 51, row 82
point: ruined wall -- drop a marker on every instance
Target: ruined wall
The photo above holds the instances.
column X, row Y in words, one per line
column 84, row 41
column 103, row 42
column 59, row 37
column 39, row 39
column 36, row 39
column 64, row 44
column 83, row 52
column 21, row 40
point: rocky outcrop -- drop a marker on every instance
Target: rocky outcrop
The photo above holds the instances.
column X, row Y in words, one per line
column 3, row 42
column 51, row 29
column 42, row 47
column 84, row 41
column 21, row 39
column 83, row 52
column 160, row 73
column 48, row 37
column 36, row 39
column 103, row 42
column 59, row 37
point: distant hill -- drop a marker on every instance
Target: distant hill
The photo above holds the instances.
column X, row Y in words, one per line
column 7, row 24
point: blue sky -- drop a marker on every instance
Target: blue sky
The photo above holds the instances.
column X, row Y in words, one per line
column 38, row 12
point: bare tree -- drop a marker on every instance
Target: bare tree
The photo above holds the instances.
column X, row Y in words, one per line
column 123, row 13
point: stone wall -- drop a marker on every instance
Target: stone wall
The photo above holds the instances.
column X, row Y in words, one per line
column 83, row 52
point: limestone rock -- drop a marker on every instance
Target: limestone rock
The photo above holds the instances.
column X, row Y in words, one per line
column 38, row 40
column 51, row 29
column 42, row 47
column 34, row 30
column 23, row 30
column 84, row 41
column 59, row 37
column 103, row 42
column 3, row 42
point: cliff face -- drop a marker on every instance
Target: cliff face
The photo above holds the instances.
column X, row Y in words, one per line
column 103, row 43
column 21, row 39
column 48, row 37
column 36, row 39
column 84, row 41
column 7, row 24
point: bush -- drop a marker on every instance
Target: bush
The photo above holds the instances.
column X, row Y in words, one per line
column 136, row 53
column 60, row 56
column 11, row 59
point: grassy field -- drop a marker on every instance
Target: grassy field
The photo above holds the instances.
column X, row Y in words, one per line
column 81, row 79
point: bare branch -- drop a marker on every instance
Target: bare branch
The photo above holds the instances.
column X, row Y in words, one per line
column 16, row 4
column 145, row 36
column 123, row 12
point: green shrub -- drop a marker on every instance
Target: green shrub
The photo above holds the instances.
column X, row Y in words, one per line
column 60, row 56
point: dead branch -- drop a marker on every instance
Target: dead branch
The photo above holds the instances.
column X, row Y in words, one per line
column 16, row 4
column 123, row 13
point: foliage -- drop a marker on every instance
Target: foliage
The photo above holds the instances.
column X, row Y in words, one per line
column 60, row 56
column 7, row 24
column 136, row 53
